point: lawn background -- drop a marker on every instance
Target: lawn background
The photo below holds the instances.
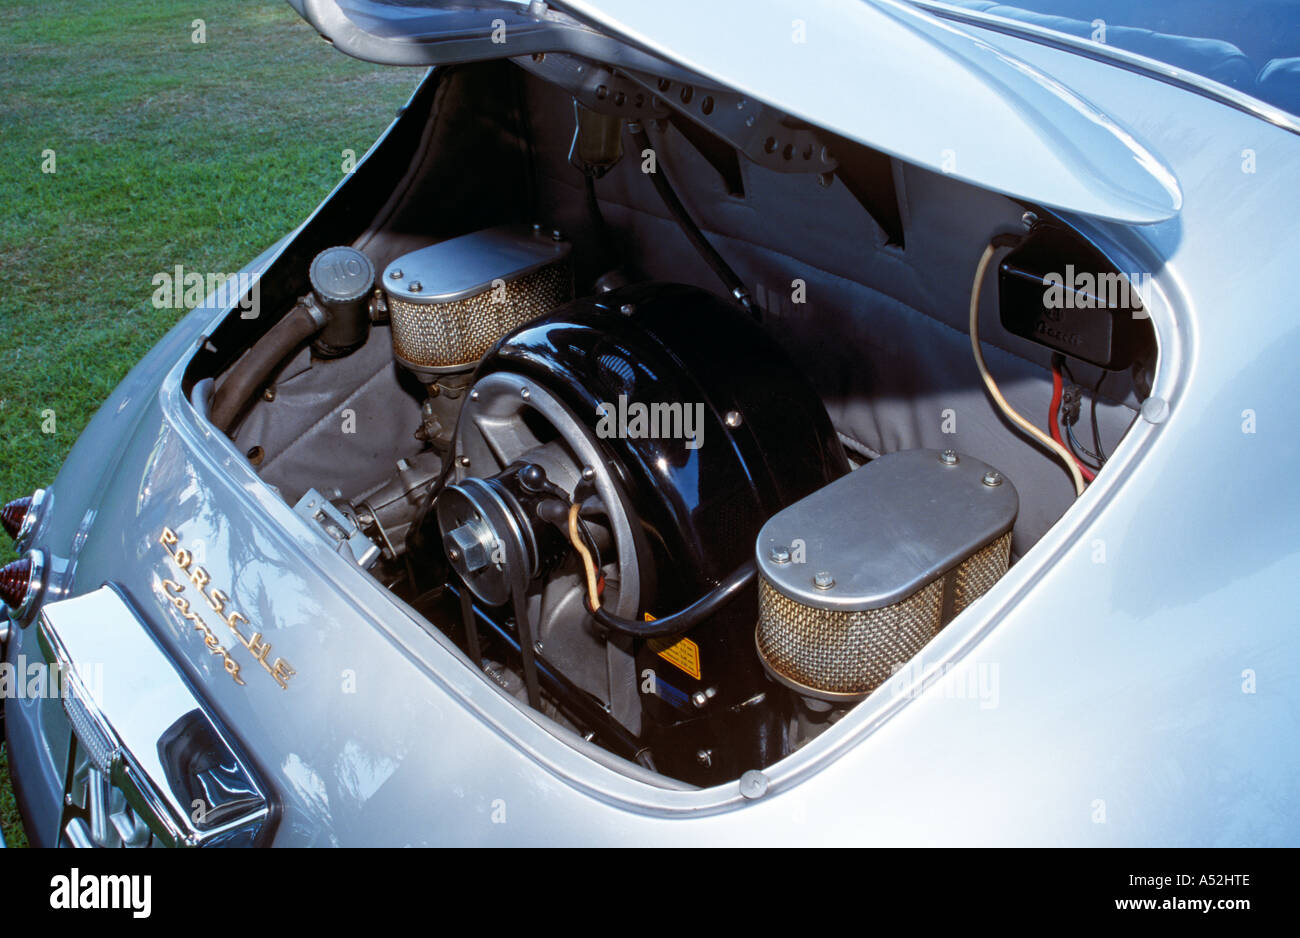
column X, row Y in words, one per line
column 167, row 151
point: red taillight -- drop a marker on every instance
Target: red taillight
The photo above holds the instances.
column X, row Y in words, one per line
column 22, row 585
column 13, row 515
column 16, row 581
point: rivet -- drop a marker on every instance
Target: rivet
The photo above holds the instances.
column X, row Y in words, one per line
column 753, row 784
column 1155, row 410
column 733, row 419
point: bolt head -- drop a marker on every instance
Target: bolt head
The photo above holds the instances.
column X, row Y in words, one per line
column 395, row 275
column 415, row 286
column 704, row 757
column 823, row 580
column 733, row 419
column 780, row 554
column 949, row 457
column 1029, row 219
column 464, row 461
column 588, row 473
column 525, row 393
column 699, row 698
column 992, row 478
column 473, row 395
column 627, row 309
column 471, row 544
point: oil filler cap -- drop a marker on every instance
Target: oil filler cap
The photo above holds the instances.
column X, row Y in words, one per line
column 342, row 279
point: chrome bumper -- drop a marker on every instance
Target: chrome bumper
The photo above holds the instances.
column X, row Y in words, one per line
column 147, row 764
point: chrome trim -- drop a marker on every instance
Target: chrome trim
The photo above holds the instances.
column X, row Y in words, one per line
column 132, row 697
column 40, row 499
column 78, row 834
column 1132, row 61
column 36, row 583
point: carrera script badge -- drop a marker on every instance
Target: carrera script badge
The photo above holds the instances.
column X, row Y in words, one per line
column 196, row 582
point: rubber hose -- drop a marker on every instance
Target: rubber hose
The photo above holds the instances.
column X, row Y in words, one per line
column 730, row 279
column 251, row 371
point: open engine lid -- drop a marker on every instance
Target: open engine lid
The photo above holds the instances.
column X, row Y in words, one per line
column 880, row 72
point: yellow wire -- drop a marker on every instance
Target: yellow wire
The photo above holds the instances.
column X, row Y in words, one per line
column 585, row 554
column 992, row 385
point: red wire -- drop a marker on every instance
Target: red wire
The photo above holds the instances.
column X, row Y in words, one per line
column 1052, row 415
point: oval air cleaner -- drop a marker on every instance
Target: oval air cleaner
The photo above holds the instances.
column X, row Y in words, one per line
column 857, row 577
column 450, row 302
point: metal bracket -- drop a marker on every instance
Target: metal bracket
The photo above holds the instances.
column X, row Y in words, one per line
column 339, row 527
column 596, row 87
column 762, row 133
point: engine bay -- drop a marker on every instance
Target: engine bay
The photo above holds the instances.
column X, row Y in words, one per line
column 670, row 423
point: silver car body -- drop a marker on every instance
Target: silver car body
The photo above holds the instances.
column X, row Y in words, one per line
column 1144, row 652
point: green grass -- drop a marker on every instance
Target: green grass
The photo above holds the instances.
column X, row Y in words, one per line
column 166, row 152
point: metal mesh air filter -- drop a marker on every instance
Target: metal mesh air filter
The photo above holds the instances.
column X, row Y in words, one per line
column 856, row 578
column 975, row 577
column 843, row 654
column 828, row 653
column 441, row 335
column 450, row 302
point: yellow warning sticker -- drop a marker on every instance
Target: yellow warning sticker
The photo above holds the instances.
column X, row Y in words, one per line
column 682, row 653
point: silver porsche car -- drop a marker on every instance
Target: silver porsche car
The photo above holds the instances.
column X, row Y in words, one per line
column 740, row 422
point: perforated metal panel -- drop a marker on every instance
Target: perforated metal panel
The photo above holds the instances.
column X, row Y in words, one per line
column 99, row 748
column 445, row 334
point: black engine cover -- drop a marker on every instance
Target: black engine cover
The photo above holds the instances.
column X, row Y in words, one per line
column 763, row 441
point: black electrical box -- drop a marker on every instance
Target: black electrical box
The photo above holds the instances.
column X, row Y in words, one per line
column 1058, row 290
